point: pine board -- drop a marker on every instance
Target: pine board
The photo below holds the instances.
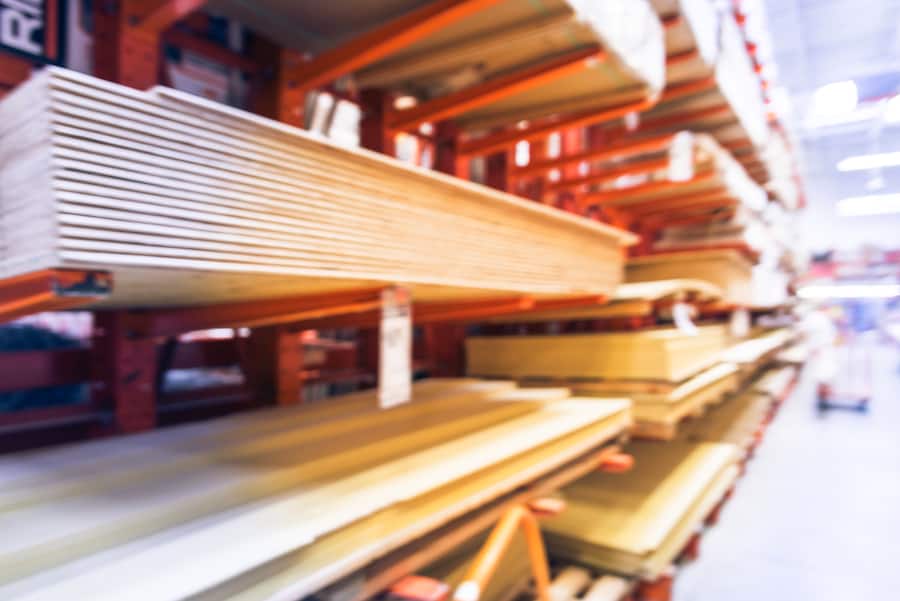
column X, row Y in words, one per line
column 727, row 269
column 168, row 188
column 663, row 354
column 636, row 523
column 629, row 300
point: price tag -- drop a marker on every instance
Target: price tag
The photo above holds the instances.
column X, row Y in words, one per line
column 682, row 314
column 395, row 358
column 740, row 323
column 632, row 120
column 681, row 157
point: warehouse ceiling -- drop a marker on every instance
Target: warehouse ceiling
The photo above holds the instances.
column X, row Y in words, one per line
column 821, row 42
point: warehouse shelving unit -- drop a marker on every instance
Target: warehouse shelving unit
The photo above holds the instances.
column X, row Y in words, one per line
column 132, row 350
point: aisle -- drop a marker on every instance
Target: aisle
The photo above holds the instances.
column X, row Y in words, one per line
column 817, row 515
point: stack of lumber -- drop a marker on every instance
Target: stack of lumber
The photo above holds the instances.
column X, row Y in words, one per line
column 758, row 350
column 645, row 299
column 637, row 523
column 620, row 42
column 188, row 201
column 660, row 407
column 666, row 354
column 743, row 229
column 284, row 502
column 714, row 182
column 731, row 107
column 728, row 269
column 737, row 421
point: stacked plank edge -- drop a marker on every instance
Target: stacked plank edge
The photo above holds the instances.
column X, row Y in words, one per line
column 279, row 503
column 188, row 201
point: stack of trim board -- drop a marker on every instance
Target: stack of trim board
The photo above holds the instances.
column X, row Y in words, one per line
column 728, row 269
column 667, row 354
column 698, row 177
column 188, row 201
column 282, row 502
column 637, row 523
column 620, row 43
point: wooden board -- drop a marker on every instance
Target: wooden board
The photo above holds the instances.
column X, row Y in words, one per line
column 660, row 408
column 756, row 351
column 728, row 269
column 696, row 31
column 737, row 421
column 186, row 201
column 637, row 523
column 338, row 501
column 629, row 300
column 663, row 354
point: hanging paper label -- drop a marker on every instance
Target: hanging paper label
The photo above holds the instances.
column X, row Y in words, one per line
column 682, row 315
column 395, row 358
column 740, row 323
column 632, row 120
column 681, row 157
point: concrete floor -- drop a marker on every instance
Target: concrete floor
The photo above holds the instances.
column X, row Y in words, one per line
column 817, row 517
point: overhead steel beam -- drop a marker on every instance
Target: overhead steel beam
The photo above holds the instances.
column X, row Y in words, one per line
column 51, row 290
column 496, row 89
column 382, row 41
column 610, row 174
column 610, row 196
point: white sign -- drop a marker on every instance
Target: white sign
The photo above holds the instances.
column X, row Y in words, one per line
column 681, row 157
column 740, row 323
column 22, row 26
column 395, row 357
column 682, row 313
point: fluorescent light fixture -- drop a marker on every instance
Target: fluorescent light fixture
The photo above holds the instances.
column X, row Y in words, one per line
column 892, row 110
column 874, row 204
column 870, row 161
column 826, row 291
column 835, row 99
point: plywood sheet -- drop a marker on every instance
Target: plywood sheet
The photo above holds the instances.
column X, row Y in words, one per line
column 337, row 501
column 636, row 523
column 665, row 354
column 728, row 269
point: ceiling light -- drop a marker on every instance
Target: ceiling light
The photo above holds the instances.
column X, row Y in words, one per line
column 875, row 204
column 836, row 99
column 870, row 161
column 892, row 110
column 826, row 291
